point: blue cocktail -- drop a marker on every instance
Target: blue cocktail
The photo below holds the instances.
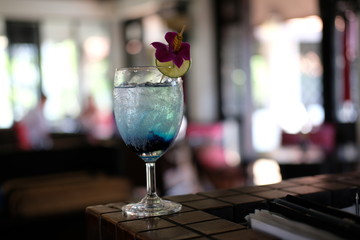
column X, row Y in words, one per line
column 148, row 108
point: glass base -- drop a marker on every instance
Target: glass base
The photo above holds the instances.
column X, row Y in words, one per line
column 149, row 207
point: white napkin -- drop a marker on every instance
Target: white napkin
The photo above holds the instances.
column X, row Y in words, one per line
column 284, row 228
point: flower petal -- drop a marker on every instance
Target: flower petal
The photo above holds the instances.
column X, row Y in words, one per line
column 178, row 61
column 169, row 37
column 160, row 47
column 185, row 51
column 162, row 52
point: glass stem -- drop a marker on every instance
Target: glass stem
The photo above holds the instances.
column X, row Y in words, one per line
column 150, row 179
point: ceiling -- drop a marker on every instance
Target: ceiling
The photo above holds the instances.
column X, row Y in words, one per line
column 262, row 10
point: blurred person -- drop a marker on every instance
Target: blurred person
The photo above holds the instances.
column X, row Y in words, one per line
column 35, row 129
column 89, row 119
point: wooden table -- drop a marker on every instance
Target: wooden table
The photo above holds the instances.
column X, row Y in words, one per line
column 218, row 214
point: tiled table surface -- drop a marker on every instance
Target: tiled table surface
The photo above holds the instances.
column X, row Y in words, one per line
column 218, row 214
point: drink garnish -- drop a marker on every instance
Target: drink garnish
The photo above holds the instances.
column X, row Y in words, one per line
column 173, row 59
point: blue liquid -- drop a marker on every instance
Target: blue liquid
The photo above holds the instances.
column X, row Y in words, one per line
column 154, row 143
column 148, row 117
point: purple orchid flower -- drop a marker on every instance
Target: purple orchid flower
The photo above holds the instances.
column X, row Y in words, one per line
column 176, row 50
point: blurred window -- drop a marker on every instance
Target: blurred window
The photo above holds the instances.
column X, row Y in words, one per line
column 60, row 74
column 6, row 111
column 24, row 68
column 287, row 71
column 69, row 64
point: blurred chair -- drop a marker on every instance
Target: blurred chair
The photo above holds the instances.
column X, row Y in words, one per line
column 310, row 153
column 217, row 163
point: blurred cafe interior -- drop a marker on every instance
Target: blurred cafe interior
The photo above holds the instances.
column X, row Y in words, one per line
column 272, row 94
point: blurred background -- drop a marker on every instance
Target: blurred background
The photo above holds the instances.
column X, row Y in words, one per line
column 272, row 94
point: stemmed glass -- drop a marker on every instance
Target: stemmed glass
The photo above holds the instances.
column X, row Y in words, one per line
column 148, row 108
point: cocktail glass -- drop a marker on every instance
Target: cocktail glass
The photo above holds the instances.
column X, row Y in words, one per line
column 148, row 108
